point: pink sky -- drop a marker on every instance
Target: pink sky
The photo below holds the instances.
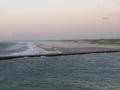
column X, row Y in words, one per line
column 59, row 19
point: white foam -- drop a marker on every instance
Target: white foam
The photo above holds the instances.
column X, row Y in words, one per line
column 32, row 49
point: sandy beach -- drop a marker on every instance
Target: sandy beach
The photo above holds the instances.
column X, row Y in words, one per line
column 76, row 47
column 55, row 48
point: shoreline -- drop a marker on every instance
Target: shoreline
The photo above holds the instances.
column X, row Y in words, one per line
column 61, row 48
column 57, row 54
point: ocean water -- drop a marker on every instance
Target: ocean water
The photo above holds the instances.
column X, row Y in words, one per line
column 77, row 72
column 22, row 48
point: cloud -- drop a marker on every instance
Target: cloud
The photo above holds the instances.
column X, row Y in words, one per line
column 109, row 16
column 106, row 18
column 117, row 14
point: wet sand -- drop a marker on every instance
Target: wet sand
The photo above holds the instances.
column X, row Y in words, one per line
column 60, row 48
column 76, row 47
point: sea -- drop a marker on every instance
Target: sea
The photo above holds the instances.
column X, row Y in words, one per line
column 75, row 72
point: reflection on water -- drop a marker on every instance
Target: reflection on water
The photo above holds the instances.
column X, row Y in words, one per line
column 82, row 72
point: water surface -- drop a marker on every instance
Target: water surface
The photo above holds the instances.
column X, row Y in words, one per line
column 78, row 72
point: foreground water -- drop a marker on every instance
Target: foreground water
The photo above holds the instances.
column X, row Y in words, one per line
column 82, row 72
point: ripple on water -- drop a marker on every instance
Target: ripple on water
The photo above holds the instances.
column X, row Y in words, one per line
column 78, row 72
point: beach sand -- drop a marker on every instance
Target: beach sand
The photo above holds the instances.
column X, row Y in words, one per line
column 56, row 48
column 76, row 47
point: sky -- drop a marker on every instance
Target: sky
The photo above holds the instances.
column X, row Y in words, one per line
column 59, row 19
